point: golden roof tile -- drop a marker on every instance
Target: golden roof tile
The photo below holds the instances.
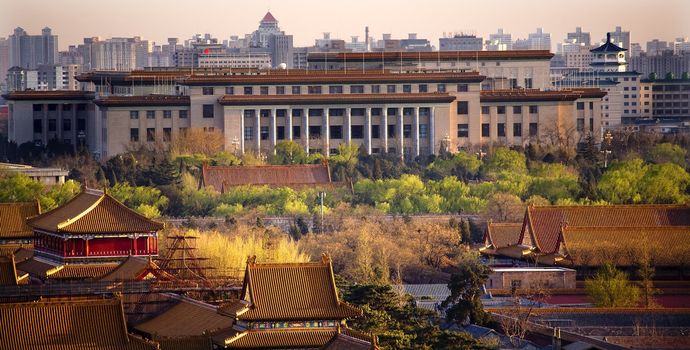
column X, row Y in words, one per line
column 13, row 219
column 184, row 319
column 221, row 177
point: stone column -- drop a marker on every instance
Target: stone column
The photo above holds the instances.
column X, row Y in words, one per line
column 367, row 130
column 74, row 126
column 325, row 133
column 58, row 122
column 305, row 127
column 272, row 131
column 415, row 131
column 432, row 132
column 384, row 128
column 348, row 125
column 257, row 133
column 401, row 136
column 242, row 131
column 44, row 122
column 288, row 124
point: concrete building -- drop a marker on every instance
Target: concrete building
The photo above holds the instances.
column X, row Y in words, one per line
column 580, row 59
column 620, row 38
column 408, row 114
column 666, row 100
column 635, row 50
column 461, row 42
column 235, row 60
column 503, row 69
column 415, row 44
column 355, row 45
column 656, row 47
column 46, row 77
column 681, row 46
column 531, row 278
column 46, row 176
column 30, row 51
column 499, row 41
column 661, row 65
column 579, row 37
column 4, row 62
column 539, row 40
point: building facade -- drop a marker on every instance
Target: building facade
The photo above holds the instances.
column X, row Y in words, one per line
column 461, row 42
column 30, row 51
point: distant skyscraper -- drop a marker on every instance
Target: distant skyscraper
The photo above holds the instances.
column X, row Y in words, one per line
column 500, row 41
column 635, row 49
column 267, row 27
column 30, row 51
column 269, row 36
column 656, row 47
column 681, row 45
column 579, row 37
column 621, row 38
column 461, row 42
column 4, row 62
column 539, row 40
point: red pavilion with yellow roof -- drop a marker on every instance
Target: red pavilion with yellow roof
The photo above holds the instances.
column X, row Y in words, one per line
column 93, row 226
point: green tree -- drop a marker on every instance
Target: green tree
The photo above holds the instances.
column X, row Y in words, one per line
column 345, row 163
column 665, row 183
column 504, row 160
column 59, row 195
column 554, row 181
column 18, row 187
column 611, row 288
column 668, row 153
column 288, row 152
column 466, row 288
column 504, row 207
column 621, row 183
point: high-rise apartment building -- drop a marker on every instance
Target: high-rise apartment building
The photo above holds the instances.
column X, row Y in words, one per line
column 539, row 40
column 579, row 37
column 461, row 42
column 30, row 51
column 499, row 41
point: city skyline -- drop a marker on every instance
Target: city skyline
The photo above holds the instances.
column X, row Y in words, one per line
column 165, row 21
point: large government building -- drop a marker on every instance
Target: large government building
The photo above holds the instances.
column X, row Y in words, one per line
column 406, row 113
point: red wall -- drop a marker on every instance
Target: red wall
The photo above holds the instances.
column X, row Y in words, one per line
column 110, row 246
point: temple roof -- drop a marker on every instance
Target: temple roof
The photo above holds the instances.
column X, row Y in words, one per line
column 333, row 339
column 133, row 269
column 9, row 276
column 187, row 318
column 66, row 325
column 92, row 212
column 290, row 291
column 502, row 235
column 13, row 219
column 543, row 224
column 221, row 177
column 608, row 46
column 269, row 18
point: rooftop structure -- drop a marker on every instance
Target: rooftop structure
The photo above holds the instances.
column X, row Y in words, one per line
column 14, row 232
column 223, row 177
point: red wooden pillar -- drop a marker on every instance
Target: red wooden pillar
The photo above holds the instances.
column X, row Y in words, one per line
column 134, row 245
column 86, row 247
column 64, row 247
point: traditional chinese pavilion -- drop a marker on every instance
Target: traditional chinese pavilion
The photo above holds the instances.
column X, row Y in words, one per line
column 290, row 306
column 14, row 232
column 93, row 227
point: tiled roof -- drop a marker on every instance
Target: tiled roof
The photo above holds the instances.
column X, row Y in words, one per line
column 184, row 319
column 67, row 325
column 291, row 291
column 8, row 272
column 426, row 56
column 527, row 95
column 595, row 245
column 276, row 339
column 221, row 177
column 334, row 77
column 82, row 271
column 350, row 340
column 608, row 46
column 13, row 219
column 38, row 267
column 502, row 235
column 131, row 269
column 331, row 99
column 202, row 342
column 50, row 95
column 148, row 100
column 92, row 212
column 269, row 18
column 544, row 223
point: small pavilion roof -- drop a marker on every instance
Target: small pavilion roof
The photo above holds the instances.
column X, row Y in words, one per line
column 13, row 219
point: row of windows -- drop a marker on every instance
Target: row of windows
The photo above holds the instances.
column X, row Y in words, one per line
column 336, row 132
column 334, row 112
column 53, row 125
column 151, row 114
column 151, row 134
column 334, row 89
column 464, row 130
column 670, row 104
column 53, row 107
column 516, row 109
column 670, row 97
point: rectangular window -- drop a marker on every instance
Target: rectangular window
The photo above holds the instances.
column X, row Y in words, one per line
column 207, row 111
column 134, row 135
column 314, row 131
column 248, row 90
column 486, row 110
column 280, row 133
column 336, row 112
column 37, row 107
column 486, row 128
column 263, row 90
column 528, row 83
column 517, row 129
column 336, row 132
column 501, row 109
column 183, row 114
column 441, row 88
column 391, row 131
column 375, row 131
column 316, row 112
column 296, row 90
column 280, row 90
column 463, row 107
column 133, row 114
column 357, row 112
column 296, row 112
column 357, row 132
column 357, row 89
column 423, row 131
column 390, row 89
column 167, row 114
column 207, row 90
column 52, row 107
column 229, row 90
column 38, row 126
column 52, row 124
column 580, row 124
column 407, row 88
column 81, row 124
column 580, row 106
column 533, row 109
column 463, row 87
column 296, row 132
column 533, row 129
column 376, row 111
column 67, row 125
column 167, row 134
column 335, row 89
column 150, row 134
column 463, row 130
column 517, row 109
column 407, row 131
column 248, row 133
column 423, row 88
column 316, row 89
column 501, row 129
column 150, row 114
column 375, row 89
column 264, row 132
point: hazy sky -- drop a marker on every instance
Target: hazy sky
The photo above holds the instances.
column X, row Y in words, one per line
column 157, row 20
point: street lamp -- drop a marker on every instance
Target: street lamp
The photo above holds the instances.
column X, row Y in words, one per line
column 481, row 154
column 322, row 195
column 236, row 144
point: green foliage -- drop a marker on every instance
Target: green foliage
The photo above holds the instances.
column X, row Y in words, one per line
column 288, row 152
column 668, row 153
column 633, row 181
column 504, row 160
column 18, row 187
column 466, row 290
column 59, row 195
column 611, row 288
column 148, row 201
column 554, row 182
column 462, row 165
